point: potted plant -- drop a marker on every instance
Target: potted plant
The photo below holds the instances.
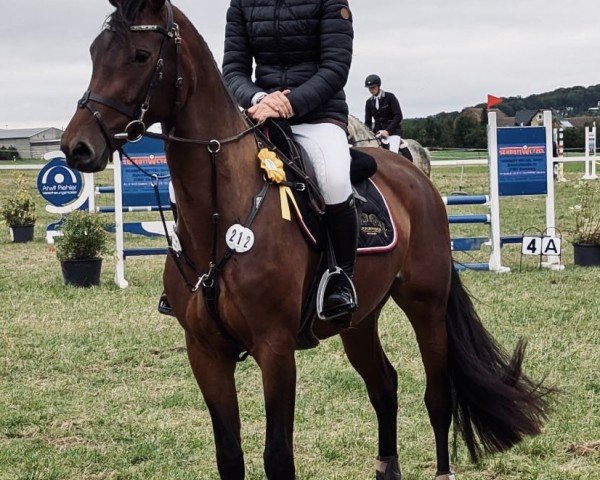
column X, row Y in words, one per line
column 84, row 240
column 586, row 241
column 18, row 212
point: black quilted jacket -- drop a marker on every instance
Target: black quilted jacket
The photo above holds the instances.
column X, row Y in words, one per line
column 303, row 45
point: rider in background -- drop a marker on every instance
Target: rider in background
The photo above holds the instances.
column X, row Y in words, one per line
column 302, row 52
column 384, row 108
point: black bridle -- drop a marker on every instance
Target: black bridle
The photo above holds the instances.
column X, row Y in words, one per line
column 136, row 128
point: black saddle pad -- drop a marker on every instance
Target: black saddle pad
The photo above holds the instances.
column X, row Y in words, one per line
column 377, row 231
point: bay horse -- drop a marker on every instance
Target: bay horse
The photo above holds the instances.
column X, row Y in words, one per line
column 151, row 65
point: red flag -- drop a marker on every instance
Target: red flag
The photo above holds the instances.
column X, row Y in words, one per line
column 493, row 101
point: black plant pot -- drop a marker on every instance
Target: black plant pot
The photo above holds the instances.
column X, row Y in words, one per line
column 22, row 233
column 586, row 255
column 82, row 273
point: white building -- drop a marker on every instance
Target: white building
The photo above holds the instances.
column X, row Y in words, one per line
column 31, row 142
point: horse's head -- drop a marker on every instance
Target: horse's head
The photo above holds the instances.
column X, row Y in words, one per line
column 135, row 82
column 359, row 135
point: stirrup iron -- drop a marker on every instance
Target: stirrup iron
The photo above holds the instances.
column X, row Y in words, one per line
column 164, row 306
column 328, row 275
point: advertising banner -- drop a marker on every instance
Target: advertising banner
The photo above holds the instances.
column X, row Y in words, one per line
column 522, row 162
column 138, row 191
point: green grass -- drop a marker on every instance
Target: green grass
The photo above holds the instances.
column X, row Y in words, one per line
column 94, row 384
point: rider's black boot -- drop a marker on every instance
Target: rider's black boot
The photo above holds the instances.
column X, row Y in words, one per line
column 342, row 224
column 405, row 152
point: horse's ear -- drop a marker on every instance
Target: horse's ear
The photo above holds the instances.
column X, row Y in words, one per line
column 115, row 3
column 156, row 5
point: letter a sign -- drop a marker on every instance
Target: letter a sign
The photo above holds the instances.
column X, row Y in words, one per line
column 551, row 246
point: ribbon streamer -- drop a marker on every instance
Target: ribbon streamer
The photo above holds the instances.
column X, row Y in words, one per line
column 274, row 171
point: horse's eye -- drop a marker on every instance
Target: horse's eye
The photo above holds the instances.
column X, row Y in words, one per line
column 141, row 56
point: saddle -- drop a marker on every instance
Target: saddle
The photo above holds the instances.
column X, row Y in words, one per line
column 377, row 232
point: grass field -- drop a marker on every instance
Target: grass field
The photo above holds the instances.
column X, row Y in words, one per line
column 95, row 384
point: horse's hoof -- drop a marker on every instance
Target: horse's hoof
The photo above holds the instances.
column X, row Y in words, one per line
column 387, row 468
column 446, row 476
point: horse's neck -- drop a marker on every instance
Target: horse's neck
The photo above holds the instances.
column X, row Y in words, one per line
column 210, row 113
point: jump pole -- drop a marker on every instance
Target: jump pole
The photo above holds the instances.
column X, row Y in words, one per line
column 496, row 254
column 590, row 153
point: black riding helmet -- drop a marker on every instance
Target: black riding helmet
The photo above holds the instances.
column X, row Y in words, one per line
column 372, row 80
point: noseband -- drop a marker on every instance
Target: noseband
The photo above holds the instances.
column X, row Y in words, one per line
column 136, row 128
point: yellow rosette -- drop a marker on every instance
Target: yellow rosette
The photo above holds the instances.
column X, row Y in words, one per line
column 274, row 171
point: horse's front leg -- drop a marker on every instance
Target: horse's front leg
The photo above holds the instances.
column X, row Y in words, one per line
column 275, row 356
column 364, row 350
column 214, row 372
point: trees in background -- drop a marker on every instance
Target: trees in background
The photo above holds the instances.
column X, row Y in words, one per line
column 447, row 130
column 468, row 130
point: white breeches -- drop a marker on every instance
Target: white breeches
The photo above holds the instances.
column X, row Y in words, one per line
column 394, row 142
column 327, row 147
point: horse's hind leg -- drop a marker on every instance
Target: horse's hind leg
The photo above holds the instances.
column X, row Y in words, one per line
column 427, row 316
column 366, row 355
column 214, row 373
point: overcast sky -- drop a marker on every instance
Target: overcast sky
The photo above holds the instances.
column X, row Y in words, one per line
column 436, row 55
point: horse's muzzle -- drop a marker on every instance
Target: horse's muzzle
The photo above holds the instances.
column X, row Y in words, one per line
column 82, row 157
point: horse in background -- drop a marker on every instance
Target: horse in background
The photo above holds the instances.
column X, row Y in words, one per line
column 361, row 136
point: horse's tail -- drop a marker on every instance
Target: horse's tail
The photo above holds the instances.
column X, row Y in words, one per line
column 495, row 403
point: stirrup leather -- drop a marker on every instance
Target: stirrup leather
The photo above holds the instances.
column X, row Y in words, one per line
column 328, row 275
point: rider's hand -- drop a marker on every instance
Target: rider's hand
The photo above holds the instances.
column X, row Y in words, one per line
column 279, row 102
column 384, row 133
column 259, row 113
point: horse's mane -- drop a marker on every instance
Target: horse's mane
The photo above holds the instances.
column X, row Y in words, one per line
column 121, row 19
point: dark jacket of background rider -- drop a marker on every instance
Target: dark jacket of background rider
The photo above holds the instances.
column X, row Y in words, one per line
column 387, row 117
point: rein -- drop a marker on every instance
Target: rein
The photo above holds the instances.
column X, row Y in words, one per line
column 362, row 140
column 136, row 129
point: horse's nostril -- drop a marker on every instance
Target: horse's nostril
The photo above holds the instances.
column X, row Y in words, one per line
column 82, row 151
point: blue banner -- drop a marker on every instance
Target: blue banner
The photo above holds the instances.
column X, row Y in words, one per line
column 522, row 163
column 149, row 155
